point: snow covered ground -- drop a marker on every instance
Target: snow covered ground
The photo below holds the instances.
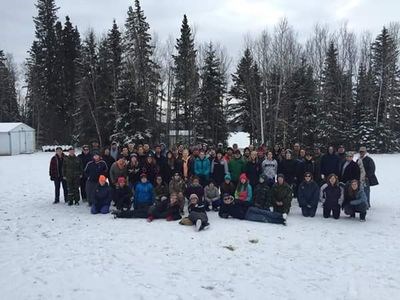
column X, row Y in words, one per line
column 58, row 252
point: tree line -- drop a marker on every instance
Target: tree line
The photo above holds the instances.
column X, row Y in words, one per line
column 335, row 88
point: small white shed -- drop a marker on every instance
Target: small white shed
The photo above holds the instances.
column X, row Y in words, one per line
column 16, row 138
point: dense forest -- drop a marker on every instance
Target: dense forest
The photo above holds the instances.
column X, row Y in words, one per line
column 337, row 87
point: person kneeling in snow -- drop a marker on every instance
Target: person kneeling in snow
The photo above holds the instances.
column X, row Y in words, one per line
column 308, row 196
column 230, row 208
column 197, row 214
column 122, row 195
column 281, row 195
column 164, row 208
column 101, row 197
column 244, row 191
column 355, row 200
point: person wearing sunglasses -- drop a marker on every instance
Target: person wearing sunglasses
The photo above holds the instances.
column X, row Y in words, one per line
column 308, row 196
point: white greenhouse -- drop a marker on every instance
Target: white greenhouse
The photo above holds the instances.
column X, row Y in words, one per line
column 16, row 138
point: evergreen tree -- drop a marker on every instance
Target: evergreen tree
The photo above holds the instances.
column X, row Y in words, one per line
column 210, row 125
column 385, row 70
column 186, row 80
column 302, row 98
column 138, row 91
column 8, row 96
column 246, row 92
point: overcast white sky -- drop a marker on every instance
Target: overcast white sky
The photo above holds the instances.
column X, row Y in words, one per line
column 224, row 21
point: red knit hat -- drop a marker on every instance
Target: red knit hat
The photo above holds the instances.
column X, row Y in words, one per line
column 243, row 176
column 121, row 180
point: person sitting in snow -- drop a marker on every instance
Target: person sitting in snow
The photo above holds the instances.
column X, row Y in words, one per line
column 262, row 193
column 177, row 185
column 195, row 188
column 165, row 208
column 122, row 195
column 197, row 214
column 281, row 197
column 231, row 208
column 212, row 195
column 244, row 191
column 160, row 188
column 143, row 197
column 355, row 201
column 102, row 197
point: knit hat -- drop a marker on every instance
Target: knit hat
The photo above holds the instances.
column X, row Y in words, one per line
column 143, row 175
column 102, row 179
column 227, row 177
column 243, row 177
column 192, row 196
column 121, row 180
column 280, row 175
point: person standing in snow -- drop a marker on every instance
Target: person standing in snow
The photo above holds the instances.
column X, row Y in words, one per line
column 85, row 158
column 202, row 168
column 331, row 196
column 288, row 167
column 114, row 151
column 73, row 173
column 93, row 170
column 355, row 200
column 330, row 163
column 367, row 172
column 57, row 175
column 270, row 168
column 219, row 168
column 236, row 166
column 118, row 169
column 349, row 169
column 308, row 196
column 252, row 168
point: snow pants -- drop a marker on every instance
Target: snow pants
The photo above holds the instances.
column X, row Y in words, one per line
column 308, row 211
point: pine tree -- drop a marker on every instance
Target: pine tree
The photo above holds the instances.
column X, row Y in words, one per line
column 302, row 98
column 246, row 92
column 138, row 91
column 385, row 70
column 8, row 96
column 186, row 80
column 210, row 125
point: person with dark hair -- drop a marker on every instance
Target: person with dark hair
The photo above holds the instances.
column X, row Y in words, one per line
column 150, row 168
column 219, row 168
column 195, row 188
column 122, row 195
column 170, row 167
column 202, row 168
column 134, row 171
column 244, row 191
column 231, row 208
column 355, row 200
column 197, row 214
column 72, row 173
column 57, row 175
column 143, row 197
column 331, row 196
column 85, row 158
column 281, row 195
column 246, row 154
column 252, row 169
column 349, row 170
column 317, row 165
column 276, row 152
column 178, row 186
column 288, row 167
column 269, row 168
column 160, row 188
column 236, row 166
column 228, row 155
column 108, row 159
column 102, row 195
column 262, row 193
column 308, row 195
column 227, row 187
column 93, row 170
column 330, row 163
column 118, row 169
column 309, row 165
column 165, row 208
column 341, row 153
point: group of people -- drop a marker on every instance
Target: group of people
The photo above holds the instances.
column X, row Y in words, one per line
column 256, row 185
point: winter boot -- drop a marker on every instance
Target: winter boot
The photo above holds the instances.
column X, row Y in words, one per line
column 198, row 225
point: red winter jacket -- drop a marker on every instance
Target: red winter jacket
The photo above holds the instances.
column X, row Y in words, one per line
column 54, row 170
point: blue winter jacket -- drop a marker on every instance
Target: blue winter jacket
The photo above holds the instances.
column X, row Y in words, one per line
column 102, row 197
column 93, row 170
column 308, row 194
column 202, row 167
column 361, row 197
column 144, row 193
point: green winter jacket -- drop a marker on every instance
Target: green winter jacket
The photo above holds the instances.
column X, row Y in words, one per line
column 236, row 167
column 282, row 193
column 72, row 167
column 262, row 196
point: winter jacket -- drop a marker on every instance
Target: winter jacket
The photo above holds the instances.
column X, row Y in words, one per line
column 317, row 168
column 109, row 160
column 281, row 193
column 349, row 171
column 211, row 194
column 309, row 166
column 195, row 189
column 116, row 172
column 161, row 190
column 56, row 167
column 85, row 159
column 134, row 172
column 262, row 196
column 144, row 193
column 202, row 167
column 122, row 197
column 102, row 197
column 288, row 167
column 331, row 196
column 253, row 172
column 177, row 186
column 236, row 167
column 308, row 194
column 244, row 192
column 330, row 164
column 93, row 170
column 199, row 208
column 270, row 168
column 72, row 167
column 227, row 189
column 219, row 168
column 300, row 170
column 359, row 201
column 233, row 210
column 369, row 167
column 151, row 171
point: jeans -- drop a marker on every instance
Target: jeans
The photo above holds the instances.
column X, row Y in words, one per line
column 261, row 215
column 57, row 184
column 367, row 191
